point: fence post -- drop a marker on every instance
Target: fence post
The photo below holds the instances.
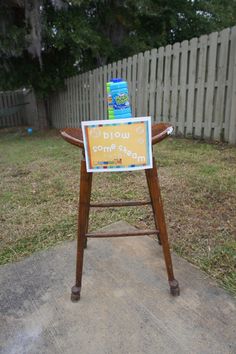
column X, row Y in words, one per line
column 232, row 122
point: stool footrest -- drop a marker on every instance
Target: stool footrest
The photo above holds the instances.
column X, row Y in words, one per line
column 123, row 234
column 119, row 204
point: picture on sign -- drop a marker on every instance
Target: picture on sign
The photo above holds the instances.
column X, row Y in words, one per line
column 118, row 144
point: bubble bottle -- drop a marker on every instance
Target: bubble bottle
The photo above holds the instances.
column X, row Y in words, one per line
column 118, row 99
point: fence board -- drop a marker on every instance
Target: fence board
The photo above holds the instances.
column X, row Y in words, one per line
column 152, row 91
column 87, row 107
column 66, row 106
column 109, row 72
column 129, row 80
column 145, row 83
column 8, row 105
column 166, row 83
column 199, row 104
column 191, row 85
column 124, row 69
column 54, row 110
column 62, row 117
column 230, row 78
column 213, row 39
column 68, row 91
column 182, row 80
column 63, row 108
column 91, row 97
column 79, row 97
column 1, row 109
column 139, row 85
column 96, row 91
column 114, row 70
column 222, row 69
column 57, row 111
column 232, row 118
column 76, row 97
column 101, row 95
column 14, row 102
column 70, row 100
column 4, row 106
column 79, row 90
column 174, row 83
column 105, row 80
column 119, row 69
column 159, row 91
column 134, row 86
column 9, row 102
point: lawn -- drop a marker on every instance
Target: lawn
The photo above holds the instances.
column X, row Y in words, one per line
column 39, row 193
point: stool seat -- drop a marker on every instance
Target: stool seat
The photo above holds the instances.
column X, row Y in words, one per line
column 74, row 136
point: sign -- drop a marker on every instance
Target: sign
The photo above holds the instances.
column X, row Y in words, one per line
column 118, row 144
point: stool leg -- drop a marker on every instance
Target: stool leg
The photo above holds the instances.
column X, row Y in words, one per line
column 153, row 210
column 85, row 191
column 154, row 186
column 88, row 207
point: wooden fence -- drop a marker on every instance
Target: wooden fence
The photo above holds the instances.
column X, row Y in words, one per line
column 12, row 109
column 191, row 84
column 19, row 108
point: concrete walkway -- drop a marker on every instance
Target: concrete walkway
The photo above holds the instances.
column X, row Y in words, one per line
column 125, row 307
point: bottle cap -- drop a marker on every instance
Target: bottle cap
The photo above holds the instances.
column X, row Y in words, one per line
column 116, row 80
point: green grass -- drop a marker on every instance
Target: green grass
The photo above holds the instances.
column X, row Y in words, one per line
column 40, row 185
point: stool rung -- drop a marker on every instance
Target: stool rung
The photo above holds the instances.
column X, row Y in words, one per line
column 123, row 234
column 119, row 204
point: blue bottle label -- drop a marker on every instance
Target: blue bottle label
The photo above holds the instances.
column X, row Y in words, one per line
column 120, row 101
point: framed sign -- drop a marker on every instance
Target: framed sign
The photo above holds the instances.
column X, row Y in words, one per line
column 118, row 144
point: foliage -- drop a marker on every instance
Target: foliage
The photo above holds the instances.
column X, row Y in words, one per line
column 79, row 35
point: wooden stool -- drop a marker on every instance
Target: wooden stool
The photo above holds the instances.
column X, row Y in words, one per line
column 75, row 137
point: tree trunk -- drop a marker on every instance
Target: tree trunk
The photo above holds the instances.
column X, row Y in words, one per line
column 42, row 122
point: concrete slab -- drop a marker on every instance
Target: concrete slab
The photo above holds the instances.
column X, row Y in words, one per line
column 125, row 305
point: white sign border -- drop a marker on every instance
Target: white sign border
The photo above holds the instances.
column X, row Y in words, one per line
column 112, row 122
